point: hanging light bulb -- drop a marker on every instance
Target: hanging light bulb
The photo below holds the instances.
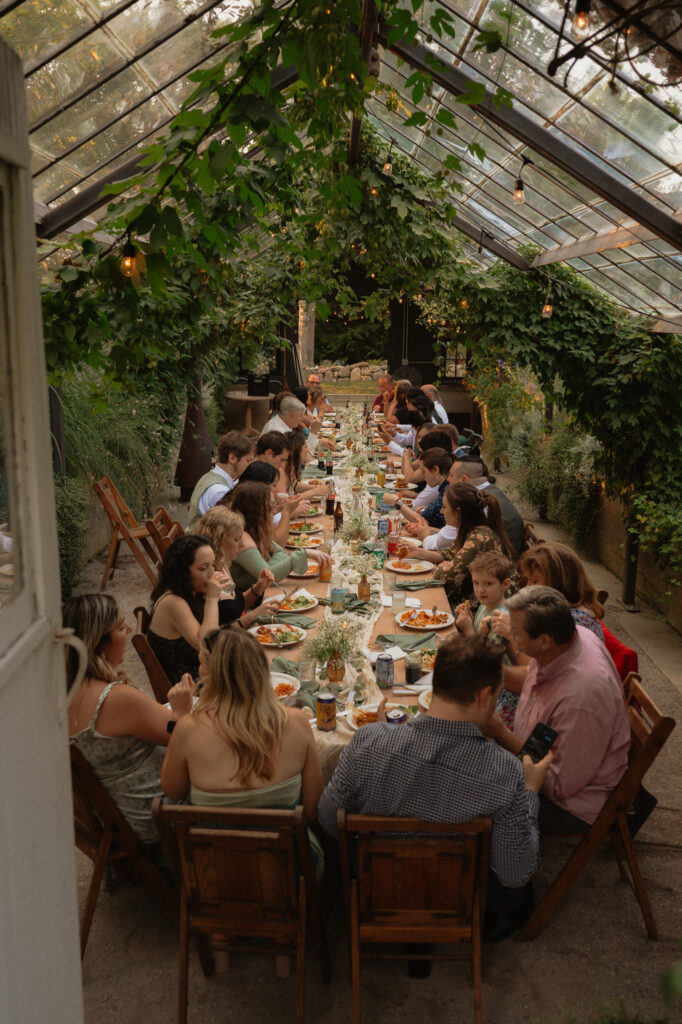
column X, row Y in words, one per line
column 518, row 192
column 581, row 19
column 464, row 303
column 548, row 307
column 388, row 164
column 128, row 259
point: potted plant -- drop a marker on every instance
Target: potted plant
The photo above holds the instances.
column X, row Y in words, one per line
column 335, row 641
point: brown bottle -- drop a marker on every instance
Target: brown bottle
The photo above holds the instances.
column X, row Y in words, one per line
column 338, row 517
column 330, row 500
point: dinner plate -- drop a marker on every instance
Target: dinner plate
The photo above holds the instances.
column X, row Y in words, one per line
column 304, row 608
column 412, row 542
column 415, row 567
column 275, row 629
column 372, row 708
column 425, row 699
column 285, row 681
column 447, row 620
column 304, row 542
column 312, row 570
column 297, row 527
column 7, row 570
column 314, row 512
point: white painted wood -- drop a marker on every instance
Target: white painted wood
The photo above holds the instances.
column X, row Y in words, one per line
column 40, row 978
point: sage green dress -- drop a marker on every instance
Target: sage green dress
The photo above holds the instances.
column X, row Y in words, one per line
column 248, row 565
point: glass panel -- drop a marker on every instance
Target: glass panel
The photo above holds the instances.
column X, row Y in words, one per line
column 34, row 30
column 141, row 24
column 613, row 147
column 52, row 181
column 638, row 119
column 81, row 65
column 613, row 290
column 668, row 187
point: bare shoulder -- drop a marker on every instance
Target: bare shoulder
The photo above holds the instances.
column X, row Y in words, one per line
column 298, row 720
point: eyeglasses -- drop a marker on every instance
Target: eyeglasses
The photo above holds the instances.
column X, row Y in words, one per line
column 210, row 639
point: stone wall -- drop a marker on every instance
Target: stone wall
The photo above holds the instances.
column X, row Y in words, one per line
column 354, row 372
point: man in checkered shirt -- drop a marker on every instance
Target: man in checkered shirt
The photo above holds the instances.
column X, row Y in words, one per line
column 441, row 767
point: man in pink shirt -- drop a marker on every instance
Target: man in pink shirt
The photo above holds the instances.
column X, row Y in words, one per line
column 571, row 685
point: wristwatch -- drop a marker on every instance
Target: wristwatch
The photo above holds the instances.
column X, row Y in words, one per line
column 170, row 725
column 399, row 504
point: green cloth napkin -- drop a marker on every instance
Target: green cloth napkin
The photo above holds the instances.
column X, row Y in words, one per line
column 351, row 603
column 287, row 619
column 313, row 472
column 407, row 642
column 418, row 584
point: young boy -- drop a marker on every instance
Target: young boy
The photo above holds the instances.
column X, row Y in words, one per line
column 491, row 576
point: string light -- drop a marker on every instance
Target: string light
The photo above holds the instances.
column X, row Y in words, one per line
column 581, row 19
column 374, row 191
column 129, row 259
column 464, row 303
column 548, row 307
column 388, row 163
column 519, row 196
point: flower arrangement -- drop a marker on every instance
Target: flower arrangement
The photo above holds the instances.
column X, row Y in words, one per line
column 359, row 460
column 357, row 526
column 333, row 636
column 363, row 565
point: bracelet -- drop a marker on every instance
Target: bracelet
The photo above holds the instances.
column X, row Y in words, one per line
column 170, row 725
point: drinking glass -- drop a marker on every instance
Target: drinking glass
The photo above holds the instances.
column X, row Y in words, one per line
column 398, row 602
column 306, row 670
column 413, row 666
column 388, row 582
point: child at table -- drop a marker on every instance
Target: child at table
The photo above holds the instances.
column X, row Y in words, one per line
column 490, row 576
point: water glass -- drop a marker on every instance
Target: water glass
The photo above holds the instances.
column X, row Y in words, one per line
column 388, row 582
column 306, row 671
column 398, row 602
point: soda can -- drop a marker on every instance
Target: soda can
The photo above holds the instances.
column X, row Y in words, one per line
column 385, row 671
column 396, row 716
column 378, row 557
column 384, row 526
column 326, row 712
column 379, row 500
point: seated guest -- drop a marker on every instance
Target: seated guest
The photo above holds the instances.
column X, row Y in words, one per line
column 427, row 506
column 385, row 393
column 120, row 731
column 396, row 411
column 185, row 604
column 240, row 747
column 258, row 549
column 286, row 506
column 418, row 401
column 224, row 528
column 299, row 456
column 235, row 452
column 473, row 471
column 290, row 416
column 440, row 767
column 439, row 413
column 437, row 437
column 323, row 405
column 317, row 404
column 273, row 447
column 555, row 565
column 572, row 686
column 405, row 435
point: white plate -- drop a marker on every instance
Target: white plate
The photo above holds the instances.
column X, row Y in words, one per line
column 314, row 511
column 279, row 626
column 276, row 678
column 424, row 629
column 350, row 717
column 415, row 566
column 310, row 542
column 412, row 542
column 425, row 699
column 312, row 528
column 7, row 570
column 306, row 575
column 299, row 611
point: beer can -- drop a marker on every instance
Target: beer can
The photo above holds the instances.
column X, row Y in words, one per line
column 326, row 712
column 396, row 716
column 385, row 671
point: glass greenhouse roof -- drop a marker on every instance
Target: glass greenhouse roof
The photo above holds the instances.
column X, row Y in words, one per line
column 104, row 77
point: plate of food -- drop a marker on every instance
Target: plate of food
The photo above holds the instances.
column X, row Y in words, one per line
column 285, row 686
column 304, row 541
column 314, row 510
column 278, row 636
column 425, row 699
column 428, row 659
column 365, row 714
column 300, row 527
column 408, row 566
column 312, row 569
column 302, row 601
column 424, row 620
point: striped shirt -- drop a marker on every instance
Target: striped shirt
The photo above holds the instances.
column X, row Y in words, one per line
column 439, row 770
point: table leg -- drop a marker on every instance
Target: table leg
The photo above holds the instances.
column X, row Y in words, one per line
column 247, row 416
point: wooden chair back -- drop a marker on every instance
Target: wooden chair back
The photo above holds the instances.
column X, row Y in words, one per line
column 649, row 730
column 416, row 882
column 158, row 680
column 247, row 874
column 163, row 530
column 125, row 528
column 531, row 536
column 103, row 835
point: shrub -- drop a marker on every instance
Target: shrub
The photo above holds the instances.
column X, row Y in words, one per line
column 71, row 500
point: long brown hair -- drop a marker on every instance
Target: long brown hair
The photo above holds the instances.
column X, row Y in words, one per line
column 92, row 617
column 563, row 570
column 476, row 508
column 241, row 702
column 254, row 502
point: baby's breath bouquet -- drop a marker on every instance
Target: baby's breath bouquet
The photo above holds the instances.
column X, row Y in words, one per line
column 357, row 526
column 333, row 636
column 359, row 460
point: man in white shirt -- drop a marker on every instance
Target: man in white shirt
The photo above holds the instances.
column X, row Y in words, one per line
column 235, row 452
column 290, row 416
column 432, row 392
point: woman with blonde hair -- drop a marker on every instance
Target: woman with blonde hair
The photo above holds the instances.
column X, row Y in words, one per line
column 240, row 747
column 118, row 729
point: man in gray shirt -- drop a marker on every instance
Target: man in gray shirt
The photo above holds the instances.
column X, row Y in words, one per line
column 441, row 767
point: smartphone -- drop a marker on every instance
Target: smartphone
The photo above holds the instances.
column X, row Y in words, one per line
column 539, row 742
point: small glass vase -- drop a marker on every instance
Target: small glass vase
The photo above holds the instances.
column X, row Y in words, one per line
column 364, row 592
column 336, row 668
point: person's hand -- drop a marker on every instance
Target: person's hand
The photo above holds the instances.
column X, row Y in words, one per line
column 217, row 582
column 270, row 606
column 421, row 528
column 389, row 499
column 281, row 500
column 381, row 711
column 445, row 566
column 303, row 507
column 484, row 625
column 265, row 578
column 315, row 426
column 180, row 696
column 499, row 624
column 534, row 774
column 463, row 619
column 319, row 556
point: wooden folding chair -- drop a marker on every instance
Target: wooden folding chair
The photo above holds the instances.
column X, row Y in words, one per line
column 416, row 882
column 159, row 681
column 649, row 731
column 126, row 528
column 246, row 874
column 103, row 835
column 163, row 530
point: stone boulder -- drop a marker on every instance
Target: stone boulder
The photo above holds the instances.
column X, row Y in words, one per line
column 356, row 373
column 343, row 371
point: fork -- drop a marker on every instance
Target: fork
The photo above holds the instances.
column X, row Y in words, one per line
column 280, row 587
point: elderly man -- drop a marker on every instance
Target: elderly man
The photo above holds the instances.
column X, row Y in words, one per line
column 235, row 452
column 439, row 767
column 431, row 391
column 385, row 393
column 290, row 417
column 571, row 685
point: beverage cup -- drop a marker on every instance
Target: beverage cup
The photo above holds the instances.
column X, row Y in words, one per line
column 398, row 602
column 306, row 671
column 413, row 667
column 325, row 573
column 388, row 582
